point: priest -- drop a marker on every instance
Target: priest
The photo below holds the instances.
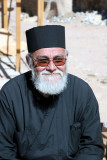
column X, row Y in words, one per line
column 47, row 113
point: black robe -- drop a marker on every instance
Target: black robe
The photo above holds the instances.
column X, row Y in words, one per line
column 62, row 127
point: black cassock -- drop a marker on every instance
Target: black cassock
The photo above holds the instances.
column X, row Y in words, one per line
column 61, row 127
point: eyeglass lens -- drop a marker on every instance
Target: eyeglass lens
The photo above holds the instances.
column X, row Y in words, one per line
column 59, row 61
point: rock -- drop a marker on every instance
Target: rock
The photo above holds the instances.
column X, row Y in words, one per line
column 93, row 18
column 8, row 44
column 91, row 75
column 24, row 16
column 80, row 17
column 104, row 81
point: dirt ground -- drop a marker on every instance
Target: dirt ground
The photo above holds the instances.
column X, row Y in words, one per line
column 87, row 47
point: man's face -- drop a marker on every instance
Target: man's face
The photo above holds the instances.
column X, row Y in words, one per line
column 49, row 53
column 49, row 74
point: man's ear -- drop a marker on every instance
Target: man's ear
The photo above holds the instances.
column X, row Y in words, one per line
column 66, row 54
column 27, row 59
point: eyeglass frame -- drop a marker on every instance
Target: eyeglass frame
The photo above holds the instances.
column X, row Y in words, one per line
column 49, row 59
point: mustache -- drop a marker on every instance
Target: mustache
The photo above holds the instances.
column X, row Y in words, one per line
column 50, row 73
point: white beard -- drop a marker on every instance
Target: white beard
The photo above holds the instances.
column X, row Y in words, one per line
column 51, row 84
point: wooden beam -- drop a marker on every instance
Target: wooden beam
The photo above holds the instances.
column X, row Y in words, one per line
column 40, row 10
column 18, row 38
column 5, row 15
column 8, row 9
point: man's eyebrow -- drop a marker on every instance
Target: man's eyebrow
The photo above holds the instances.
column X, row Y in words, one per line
column 59, row 55
column 42, row 57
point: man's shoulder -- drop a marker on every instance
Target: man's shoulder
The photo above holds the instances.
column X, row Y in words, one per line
column 78, row 85
column 17, row 81
column 72, row 79
column 80, row 92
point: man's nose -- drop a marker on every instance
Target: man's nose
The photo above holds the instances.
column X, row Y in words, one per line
column 51, row 66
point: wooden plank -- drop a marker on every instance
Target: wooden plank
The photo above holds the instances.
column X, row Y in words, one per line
column 40, row 10
column 18, row 37
column 5, row 15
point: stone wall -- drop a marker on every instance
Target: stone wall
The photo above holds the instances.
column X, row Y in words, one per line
column 56, row 7
column 61, row 7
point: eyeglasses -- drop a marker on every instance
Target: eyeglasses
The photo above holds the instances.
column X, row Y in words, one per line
column 44, row 62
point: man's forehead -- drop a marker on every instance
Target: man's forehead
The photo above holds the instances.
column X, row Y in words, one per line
column 49, row 51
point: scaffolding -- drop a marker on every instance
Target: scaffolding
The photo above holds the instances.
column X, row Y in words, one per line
column 40, row 14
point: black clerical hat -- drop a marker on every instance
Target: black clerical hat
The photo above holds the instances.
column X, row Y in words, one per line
column 45, row 37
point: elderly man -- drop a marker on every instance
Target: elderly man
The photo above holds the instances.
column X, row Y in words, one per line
column 46, row 113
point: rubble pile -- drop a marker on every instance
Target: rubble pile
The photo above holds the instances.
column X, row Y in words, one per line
column 90, row 18
column 80, row 17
